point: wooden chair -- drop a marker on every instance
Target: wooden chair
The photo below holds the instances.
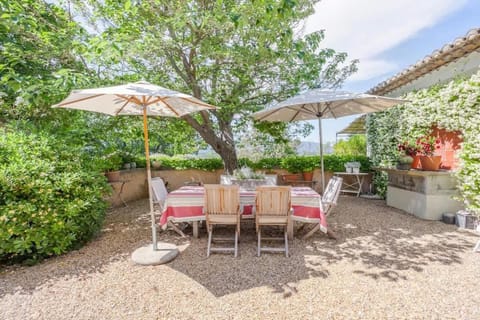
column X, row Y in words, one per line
column 222, row 207
column 272, row 208
column 159, row 196
column 329, row 201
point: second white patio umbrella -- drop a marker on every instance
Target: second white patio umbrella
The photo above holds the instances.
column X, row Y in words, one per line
column 322, row 104
column 136, row 99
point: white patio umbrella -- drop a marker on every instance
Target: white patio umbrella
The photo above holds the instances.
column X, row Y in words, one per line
column 322, row 104
column 136, row 99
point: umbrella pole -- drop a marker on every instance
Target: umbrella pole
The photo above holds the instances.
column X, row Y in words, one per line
column 149, row 177
column 321, row 153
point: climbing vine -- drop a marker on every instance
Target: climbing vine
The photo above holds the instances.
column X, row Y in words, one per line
column 452, row 106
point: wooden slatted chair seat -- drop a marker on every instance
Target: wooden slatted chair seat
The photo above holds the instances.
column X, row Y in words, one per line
column 272, row 208
column 222, row 207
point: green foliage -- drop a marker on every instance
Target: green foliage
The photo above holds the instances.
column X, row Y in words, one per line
column 355, row 145
column 297, row 163
column 41, row 58
column 331, row 162
column 50, row 202
column 182, row 163
column 267, row 164
column 234, row 54
column 453, row 106
column 336, row 163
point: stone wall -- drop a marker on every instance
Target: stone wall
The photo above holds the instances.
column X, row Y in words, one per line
column 135, row 186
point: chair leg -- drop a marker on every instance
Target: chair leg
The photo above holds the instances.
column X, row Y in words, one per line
column 236, row 244
column 209, row 241
column 477, row 247
column 311, row 232
column 259, row 241
column 286, row 242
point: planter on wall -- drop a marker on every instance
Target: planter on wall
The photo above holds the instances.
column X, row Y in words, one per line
column 308, row 176
column 416, row 164
column 430, row 163
column 290, row 177
column 113, row 175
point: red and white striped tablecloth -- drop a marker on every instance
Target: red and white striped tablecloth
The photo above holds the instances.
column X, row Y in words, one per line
column 186, row 204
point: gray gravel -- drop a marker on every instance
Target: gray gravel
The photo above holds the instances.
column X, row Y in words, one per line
column 385, row 264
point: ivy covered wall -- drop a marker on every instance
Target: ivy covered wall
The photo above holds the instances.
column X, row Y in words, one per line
column 453, row 106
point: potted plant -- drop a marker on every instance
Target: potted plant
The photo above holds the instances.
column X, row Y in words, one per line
column 294, row 166
column 423, row 153
column 308, row 166
column 408, row 149
column 352, row 167
column 404, row 162
column 247, row 178
column 426, row 150
column 111, row 163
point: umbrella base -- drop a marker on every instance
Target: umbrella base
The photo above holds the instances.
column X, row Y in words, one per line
column 146, row 256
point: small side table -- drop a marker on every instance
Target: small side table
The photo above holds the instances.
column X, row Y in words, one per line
column 356, row 185
column 119, row 191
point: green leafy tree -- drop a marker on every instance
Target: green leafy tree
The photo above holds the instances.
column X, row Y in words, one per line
column 40, row 60
column 240, row 56
column 355, row 145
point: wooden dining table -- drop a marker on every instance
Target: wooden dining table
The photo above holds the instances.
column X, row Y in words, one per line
column 186, row 205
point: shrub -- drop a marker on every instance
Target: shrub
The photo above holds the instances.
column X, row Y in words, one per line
column 50, row 200
column 452, row 106
column 182, row 163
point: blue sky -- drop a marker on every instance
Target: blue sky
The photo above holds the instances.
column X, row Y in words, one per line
column 387, row 37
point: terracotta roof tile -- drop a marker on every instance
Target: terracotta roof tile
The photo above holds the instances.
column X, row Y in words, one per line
column 458, row 48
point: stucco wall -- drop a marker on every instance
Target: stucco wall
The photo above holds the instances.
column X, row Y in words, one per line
column 135, row 186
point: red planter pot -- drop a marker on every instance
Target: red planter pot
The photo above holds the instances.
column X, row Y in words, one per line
column 308, row 176
column 430, row 163
column 416, row 163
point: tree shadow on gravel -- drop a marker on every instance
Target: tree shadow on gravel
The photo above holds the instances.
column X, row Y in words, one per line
column 385, row 243
column 124, row 230
column 374, row 241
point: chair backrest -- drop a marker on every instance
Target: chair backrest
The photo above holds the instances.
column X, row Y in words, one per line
column 159, row 192
column 273, row 200
column 332, row 191
column 222, row 199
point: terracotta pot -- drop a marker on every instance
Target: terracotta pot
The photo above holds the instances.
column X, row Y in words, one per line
column 308, row 176
column 290, row 177
column 416, row 164
column 430, row 163
column 113, row 175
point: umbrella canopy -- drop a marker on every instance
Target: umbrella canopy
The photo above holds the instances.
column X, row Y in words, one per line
column 134, row 99
column 322, row 104
column 139, row 98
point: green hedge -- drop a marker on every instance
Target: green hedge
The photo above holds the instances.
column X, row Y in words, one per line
column 292, row 163
column 49, row 202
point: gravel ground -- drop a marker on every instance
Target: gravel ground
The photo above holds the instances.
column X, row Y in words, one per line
column 385, row 264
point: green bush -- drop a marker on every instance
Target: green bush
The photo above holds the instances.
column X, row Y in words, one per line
column 452, row 106
column 294, row 164
column 355, row 145
column 50, row 200
column 267, row 164
column 182, row 163
column 331, row 162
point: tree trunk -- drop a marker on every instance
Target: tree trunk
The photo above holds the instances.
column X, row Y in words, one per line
column 229, row 157
column 222, row 143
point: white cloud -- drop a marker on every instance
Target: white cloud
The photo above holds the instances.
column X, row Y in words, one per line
column 368, row 69
column 366, row 28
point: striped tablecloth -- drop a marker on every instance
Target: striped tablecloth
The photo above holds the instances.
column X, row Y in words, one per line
column 186, row 204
